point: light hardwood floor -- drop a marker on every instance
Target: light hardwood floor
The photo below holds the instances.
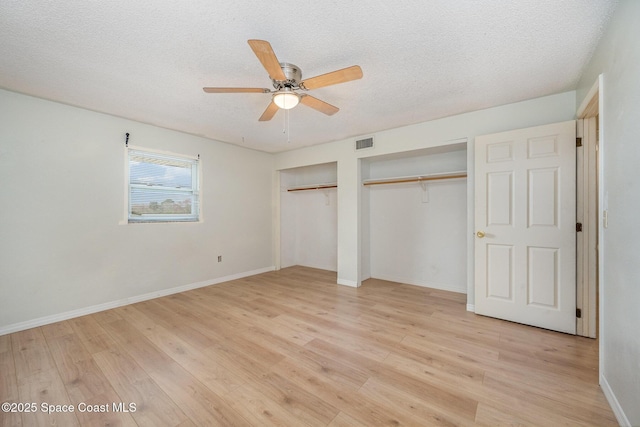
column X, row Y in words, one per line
column 293, row 348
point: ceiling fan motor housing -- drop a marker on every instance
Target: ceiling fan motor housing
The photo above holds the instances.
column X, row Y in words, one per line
column 293, row 75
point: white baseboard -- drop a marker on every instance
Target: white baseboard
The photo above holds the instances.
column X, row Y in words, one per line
column 347, row 282
column 613, row 402
column 320, row 267
column 46, row 320
column 411, row 281
column 471, row 307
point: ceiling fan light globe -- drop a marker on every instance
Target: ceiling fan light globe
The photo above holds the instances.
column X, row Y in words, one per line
column 286, row 100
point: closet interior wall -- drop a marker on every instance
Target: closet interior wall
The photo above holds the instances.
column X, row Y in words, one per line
column 416, row 232
column 309, row 218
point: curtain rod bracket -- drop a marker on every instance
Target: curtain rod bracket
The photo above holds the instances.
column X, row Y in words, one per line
column 126, row 141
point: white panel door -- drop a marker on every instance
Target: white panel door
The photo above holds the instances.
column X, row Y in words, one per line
column 525, row 216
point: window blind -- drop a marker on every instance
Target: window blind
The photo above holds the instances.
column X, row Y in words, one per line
column 162, row 188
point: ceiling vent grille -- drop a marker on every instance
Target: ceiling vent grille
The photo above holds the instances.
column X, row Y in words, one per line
column 361, row 144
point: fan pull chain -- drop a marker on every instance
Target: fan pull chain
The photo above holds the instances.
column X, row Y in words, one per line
column 288, row 128
column 286, row 125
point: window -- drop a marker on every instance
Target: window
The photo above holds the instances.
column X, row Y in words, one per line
column 162, row 187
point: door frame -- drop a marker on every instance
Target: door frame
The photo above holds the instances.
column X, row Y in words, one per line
column 589, row 205
column 587, row 215
column 593, row 106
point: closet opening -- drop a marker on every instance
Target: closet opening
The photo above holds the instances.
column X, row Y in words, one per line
column 414, row 217
column 309, row 217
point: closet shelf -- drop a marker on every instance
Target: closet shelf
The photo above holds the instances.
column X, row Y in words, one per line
column 314, row 187
column 417, row 178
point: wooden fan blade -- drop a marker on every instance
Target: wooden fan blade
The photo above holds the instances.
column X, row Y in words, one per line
column 267, row 57
column 268, row 114
column 333, row 78
column 316, row 104
column 235, row 90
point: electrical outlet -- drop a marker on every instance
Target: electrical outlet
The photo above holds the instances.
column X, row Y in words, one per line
column 219, row 258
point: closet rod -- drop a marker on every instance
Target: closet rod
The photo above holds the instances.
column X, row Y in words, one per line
column 315, row 187
column 417, row 178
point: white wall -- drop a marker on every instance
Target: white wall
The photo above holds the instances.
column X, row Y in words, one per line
column 308, row 223
column 446, row 131
column 62, row 247
column 618, row 59
column 419, row 235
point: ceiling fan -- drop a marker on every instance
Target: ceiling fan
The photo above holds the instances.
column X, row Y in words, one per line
column 287, row 81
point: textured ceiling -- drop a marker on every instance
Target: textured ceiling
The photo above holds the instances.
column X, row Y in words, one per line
column 148, row 60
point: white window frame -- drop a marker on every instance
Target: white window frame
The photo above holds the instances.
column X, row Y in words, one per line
column 195, row 190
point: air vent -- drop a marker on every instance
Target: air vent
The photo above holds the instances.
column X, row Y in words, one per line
column 361, row 144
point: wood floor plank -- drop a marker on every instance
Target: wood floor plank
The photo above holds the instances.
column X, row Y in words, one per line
column 45, row 388
column 488, row 416
column 333, row 316
column 8, row 380
column 291, row 347
column 214, row 375
column 169, row 314
column 580, row 392
column 30, row 353
column 344, row 420
column 85, row 383
column 426, row 338
column 93, row 336
column 346, row 399
column 571, row 411
column 8, row 383
column 361, row 345
column 269, row 326
column 300, row 403
column 224, row 329
column 134, row 386
column 135, row 343
column 199, row 403
column 261, row 410
column 235, row 361
column 58, row 329
column 541, row 361
column 416, row 408
column 5, row 343
column 474, row 390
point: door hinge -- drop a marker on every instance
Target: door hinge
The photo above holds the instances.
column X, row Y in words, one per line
column 578, row 227
column 578, row 142
column 579, row 313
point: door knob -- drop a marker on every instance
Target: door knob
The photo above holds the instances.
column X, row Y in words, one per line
column 480, row 234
